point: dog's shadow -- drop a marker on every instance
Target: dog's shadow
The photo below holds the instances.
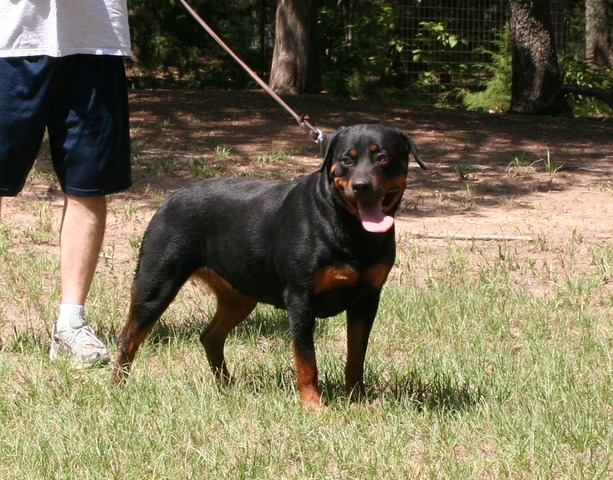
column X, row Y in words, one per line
column 442, row 392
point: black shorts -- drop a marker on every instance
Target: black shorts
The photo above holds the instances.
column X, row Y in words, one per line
column 82, row 101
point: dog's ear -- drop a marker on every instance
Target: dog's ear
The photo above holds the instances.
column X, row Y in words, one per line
column 412, row 148
column 327, row 149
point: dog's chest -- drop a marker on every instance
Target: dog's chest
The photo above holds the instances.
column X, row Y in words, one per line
column 335, row 286
column 334, row 277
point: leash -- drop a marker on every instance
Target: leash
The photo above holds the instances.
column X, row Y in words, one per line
column 302, row 120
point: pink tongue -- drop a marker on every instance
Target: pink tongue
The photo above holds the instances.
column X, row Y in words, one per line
column 373, row 218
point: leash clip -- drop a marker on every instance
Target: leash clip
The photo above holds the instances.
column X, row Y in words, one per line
column 315, row 133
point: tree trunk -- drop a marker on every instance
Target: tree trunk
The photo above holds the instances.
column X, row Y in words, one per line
column 295, row 68
column 535, row 73
column 597, row 46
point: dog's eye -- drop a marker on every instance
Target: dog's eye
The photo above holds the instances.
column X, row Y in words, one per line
column 382, row 159
column 347, row 161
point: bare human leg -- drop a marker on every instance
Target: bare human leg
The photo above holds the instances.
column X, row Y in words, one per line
column 82, row 232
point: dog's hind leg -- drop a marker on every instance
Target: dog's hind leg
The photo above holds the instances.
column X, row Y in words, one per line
column 232, row 308
column 155, row 286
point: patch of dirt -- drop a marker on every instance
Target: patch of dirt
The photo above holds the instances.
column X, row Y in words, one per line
column 544, row 181
column 502, row 158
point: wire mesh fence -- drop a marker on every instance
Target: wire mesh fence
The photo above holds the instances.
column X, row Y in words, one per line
column 449, row 43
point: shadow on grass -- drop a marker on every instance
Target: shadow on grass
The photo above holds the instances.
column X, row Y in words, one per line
column 443, row 393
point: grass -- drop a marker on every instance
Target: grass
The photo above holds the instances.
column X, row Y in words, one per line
column 520, row 167
column 278, row 156
column 154, row 163
column 471, row 374
column 43, row 231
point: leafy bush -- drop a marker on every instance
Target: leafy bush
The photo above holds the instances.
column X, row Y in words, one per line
column 171, row 48
column 360, row 46
column 496, row 94
column 578, row 71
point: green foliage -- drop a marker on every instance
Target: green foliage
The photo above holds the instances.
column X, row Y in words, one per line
column 432, row 37
column 495, row 95
column 171, row 48
column 360, row 43
column 416, row 50
column 578, row 71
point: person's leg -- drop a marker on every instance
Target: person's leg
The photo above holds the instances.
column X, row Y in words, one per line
column 82, row 232
column 83, row 225
column 90, row 147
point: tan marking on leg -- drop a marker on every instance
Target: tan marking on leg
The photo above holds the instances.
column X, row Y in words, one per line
column 306, row 369
column 129, row 341
column 232, row 308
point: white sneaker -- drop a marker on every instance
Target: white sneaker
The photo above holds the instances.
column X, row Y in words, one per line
column 80, row 343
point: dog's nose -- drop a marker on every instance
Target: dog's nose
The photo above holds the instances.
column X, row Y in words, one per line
column 361, row 186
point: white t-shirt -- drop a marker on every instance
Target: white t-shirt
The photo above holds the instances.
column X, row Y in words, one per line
column 63, row 27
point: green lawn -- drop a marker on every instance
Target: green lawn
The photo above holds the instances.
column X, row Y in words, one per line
column 483, row 363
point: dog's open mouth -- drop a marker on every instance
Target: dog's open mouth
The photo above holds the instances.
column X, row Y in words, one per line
column 373, row 216
column 372, row 212
column 373, row 219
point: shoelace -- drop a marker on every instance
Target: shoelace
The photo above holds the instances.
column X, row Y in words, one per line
column 82, row 336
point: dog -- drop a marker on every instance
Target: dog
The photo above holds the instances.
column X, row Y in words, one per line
column 316, row 247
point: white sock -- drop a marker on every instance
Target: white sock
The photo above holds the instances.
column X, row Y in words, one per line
column 67, row 312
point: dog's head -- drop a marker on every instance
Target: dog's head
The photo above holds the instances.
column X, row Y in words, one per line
column 368, row 166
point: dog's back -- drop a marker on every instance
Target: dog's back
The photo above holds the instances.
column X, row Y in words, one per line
column 235, row 227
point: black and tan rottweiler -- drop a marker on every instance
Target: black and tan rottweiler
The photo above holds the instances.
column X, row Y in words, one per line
column 316, row 246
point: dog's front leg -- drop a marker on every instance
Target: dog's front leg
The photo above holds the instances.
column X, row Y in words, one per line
column 302, row 324
column 360, row 318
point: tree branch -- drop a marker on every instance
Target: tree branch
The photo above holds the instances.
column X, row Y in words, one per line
column 548, row 107
column 485, row 238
